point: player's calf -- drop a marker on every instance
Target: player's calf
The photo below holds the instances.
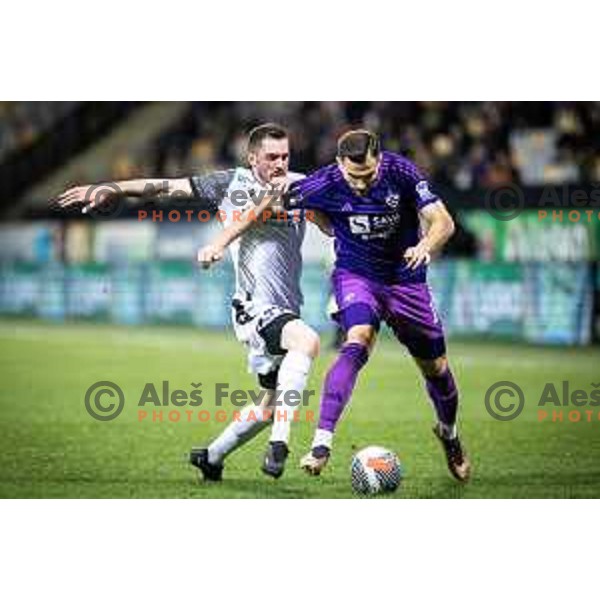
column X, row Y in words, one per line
column 301, row 346
column 443, row 392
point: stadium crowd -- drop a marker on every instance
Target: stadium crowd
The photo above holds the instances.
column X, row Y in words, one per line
column 21, row 123
column 464, row 144
column 461, row 144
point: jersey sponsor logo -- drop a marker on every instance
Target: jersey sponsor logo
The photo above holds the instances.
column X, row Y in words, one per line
column 372, row 226
column 424, row 192
column 359, row 224
column 347, row 207
column 393, row 200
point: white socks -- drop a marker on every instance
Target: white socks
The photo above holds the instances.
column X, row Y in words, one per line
column 293, row 373
column 238, row 432
column 322, row 438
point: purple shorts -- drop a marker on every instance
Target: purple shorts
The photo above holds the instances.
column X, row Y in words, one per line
column 407, row 308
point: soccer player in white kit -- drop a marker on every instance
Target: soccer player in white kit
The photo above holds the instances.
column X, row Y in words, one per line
column 266, row 305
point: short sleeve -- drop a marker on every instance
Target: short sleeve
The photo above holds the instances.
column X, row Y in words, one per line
column 309, row 192
column 415, row 184
column 424, row 195
column 211, row 189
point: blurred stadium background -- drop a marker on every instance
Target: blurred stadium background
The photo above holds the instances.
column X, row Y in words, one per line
column 522, row 281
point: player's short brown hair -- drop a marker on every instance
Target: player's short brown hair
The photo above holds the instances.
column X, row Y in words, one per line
column 357, row 145
column 266, row 130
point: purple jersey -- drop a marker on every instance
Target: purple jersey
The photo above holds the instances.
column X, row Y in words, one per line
column 372, row 231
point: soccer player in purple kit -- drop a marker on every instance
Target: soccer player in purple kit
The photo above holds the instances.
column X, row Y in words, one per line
column 376, row 202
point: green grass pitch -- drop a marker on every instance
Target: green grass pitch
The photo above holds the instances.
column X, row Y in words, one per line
column 51, row 447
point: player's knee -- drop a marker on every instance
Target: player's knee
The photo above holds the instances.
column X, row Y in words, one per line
column 361, row 334
column 433, row 367
column 300, row 337
column 313, row 344
column 310, row 343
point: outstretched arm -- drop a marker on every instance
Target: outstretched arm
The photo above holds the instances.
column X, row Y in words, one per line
column 439, row 227
column 95, row 195
column 214, row 251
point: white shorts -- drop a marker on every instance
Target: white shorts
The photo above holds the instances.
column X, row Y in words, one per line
column 249, row 321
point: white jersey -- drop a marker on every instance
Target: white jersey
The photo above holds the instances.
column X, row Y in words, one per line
column 267, row 258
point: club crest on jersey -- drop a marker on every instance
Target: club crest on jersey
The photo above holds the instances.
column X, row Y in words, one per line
column 424, row 192
column 393, row 200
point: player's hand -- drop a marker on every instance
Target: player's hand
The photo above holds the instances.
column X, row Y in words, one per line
column 417, row 255
column 89, row 196
column 280, row 182
column 210, row 254
column 278, row 187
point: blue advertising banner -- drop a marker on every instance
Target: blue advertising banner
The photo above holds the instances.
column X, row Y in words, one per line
column 535, row 302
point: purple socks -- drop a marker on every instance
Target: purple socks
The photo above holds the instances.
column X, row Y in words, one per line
column 341, row 379
column 444, row 395
column 339, row 383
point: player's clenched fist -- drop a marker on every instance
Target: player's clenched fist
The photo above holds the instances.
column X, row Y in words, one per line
column 272, row 197
column 210, row 254
column 417, row 255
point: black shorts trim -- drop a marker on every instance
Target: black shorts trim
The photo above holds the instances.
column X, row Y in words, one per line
column 269, row 381
column 271, row 333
